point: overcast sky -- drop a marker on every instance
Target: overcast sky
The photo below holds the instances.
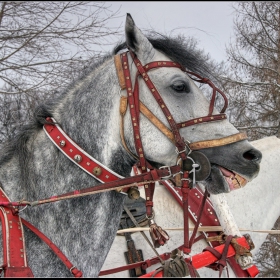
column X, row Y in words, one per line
column 210, row 22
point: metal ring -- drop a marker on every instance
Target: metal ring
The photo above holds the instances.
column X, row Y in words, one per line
column 150, row 218
column 72, row 268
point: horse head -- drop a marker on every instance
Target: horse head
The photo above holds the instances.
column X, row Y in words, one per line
column 176, row 101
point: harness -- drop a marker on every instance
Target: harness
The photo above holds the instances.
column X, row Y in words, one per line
column 15, row 262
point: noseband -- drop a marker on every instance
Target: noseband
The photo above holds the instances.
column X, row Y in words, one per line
column 173, row 134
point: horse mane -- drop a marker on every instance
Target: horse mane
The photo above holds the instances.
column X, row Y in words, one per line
column 181, row 50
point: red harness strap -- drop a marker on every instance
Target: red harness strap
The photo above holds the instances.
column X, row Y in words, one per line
column 208, row 218
column 14, row 255
column 76, row 154
column 77, row 273
column 198, row 261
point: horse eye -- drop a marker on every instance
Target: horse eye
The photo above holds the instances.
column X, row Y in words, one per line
column 180, row 87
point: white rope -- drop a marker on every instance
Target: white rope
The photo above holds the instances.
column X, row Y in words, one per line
column 205, row 228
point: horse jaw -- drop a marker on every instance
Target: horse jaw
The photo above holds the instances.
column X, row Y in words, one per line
column 228, row 175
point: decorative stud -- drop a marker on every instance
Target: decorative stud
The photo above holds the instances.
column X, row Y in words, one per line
column 78, row 158
column 97, row 171
column 62, row 143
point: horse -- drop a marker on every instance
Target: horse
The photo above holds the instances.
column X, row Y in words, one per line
column 160, row 77
column 253, row 218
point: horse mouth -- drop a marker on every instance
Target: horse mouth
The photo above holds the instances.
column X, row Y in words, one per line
column 234, row 180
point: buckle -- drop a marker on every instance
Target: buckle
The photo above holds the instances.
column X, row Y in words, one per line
column 169, row 170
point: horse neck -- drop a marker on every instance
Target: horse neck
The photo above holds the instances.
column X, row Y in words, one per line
column 89, row 114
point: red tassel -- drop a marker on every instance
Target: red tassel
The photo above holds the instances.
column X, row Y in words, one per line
column 158, row 235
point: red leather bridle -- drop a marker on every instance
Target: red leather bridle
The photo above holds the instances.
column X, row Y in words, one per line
column 134, row 106
column 182, row 147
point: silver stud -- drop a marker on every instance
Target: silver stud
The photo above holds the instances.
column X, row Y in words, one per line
column 62, row 143
column 77, row 158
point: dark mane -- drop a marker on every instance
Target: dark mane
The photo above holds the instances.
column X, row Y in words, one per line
column 180, row 49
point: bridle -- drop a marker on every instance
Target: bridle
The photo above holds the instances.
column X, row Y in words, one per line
column 173, row 134
column 182, row 147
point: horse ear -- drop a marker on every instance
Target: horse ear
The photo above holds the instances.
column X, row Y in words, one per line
column 137, row 42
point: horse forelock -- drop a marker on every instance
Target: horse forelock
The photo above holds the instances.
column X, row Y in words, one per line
column 179, row 49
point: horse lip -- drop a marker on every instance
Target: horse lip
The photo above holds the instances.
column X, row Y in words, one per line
column 234, row 180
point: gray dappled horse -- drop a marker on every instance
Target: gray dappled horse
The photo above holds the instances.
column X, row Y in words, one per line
column 33, row 168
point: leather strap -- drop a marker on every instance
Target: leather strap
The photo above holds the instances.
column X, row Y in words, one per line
column 218, row 142
column 198, row 261
column 221, row 263
column 119, row 69
column 141, row 179
column 208, row 218
column 142, row 70
column 76, row 154
column 168, row 133
column 14, row 253
column 77, row 273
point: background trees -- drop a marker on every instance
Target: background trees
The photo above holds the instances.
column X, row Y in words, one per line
column 42, row 47
column 253, row 79
column 252, row 83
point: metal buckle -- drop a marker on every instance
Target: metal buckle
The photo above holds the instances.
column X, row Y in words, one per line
column 72, row 269
column 169, row 170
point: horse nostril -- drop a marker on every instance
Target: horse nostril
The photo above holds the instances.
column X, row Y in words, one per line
column 253, row 155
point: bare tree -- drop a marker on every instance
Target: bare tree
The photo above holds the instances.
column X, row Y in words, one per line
column 39, row 40
column 253, row 82
column 43, row 46
column 268, row 257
